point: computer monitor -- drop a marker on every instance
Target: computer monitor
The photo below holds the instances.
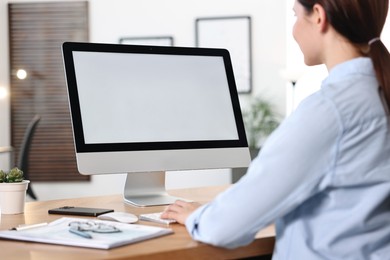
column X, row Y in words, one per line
column 144, row 110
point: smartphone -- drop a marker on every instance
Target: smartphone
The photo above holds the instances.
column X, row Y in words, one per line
column 79, row 211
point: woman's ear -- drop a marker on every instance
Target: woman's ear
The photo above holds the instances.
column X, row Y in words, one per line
column 319, row 18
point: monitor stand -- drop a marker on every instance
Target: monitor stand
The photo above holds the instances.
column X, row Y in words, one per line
column 144, row 189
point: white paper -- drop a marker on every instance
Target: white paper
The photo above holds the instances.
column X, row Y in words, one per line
column 57, row 232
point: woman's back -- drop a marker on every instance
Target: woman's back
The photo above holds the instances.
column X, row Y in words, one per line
column 348, row 216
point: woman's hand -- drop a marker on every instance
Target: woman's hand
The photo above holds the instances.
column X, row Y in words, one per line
column 180, row 210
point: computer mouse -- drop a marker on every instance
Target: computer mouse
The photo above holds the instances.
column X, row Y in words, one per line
column 123, row 217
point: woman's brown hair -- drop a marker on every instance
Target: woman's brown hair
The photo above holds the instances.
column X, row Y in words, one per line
column 361, row 22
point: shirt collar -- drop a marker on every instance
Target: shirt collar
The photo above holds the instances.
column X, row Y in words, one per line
column 361, row 65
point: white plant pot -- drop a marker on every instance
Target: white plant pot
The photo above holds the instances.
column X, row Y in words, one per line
column 12, row 197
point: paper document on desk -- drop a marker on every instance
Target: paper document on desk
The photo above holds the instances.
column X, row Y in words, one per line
column 57, row 232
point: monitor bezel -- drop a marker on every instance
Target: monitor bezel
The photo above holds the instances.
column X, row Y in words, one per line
column 81, row 147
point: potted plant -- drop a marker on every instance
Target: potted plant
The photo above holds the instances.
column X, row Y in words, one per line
column 12, row 191
column 260, row 119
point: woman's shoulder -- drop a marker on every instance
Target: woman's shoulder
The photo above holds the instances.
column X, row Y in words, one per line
column 354, row 99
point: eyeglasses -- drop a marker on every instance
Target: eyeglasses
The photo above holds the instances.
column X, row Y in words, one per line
column 93, row 227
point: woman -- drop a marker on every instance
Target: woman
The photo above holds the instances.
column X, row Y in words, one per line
column 323, row 177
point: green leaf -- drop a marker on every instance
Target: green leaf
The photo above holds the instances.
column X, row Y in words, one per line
column 3, row 176
column 15, row 175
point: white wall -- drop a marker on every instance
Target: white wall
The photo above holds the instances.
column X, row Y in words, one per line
column 110, row 20
column 4, row 83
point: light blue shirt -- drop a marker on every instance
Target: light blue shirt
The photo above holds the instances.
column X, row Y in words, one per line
column 323, row 177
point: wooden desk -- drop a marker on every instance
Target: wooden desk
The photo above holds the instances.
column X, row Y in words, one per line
column 176, row 246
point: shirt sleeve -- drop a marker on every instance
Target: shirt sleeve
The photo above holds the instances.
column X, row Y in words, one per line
column 295, row 163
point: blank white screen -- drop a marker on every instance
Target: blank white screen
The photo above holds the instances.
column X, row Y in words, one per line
column 127, row 98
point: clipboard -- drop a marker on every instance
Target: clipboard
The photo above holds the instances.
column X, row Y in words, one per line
column 58, row 232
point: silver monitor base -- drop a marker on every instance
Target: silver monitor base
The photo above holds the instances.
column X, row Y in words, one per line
column 144, row 189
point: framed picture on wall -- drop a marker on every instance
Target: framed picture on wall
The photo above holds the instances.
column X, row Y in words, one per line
column 234, row 34
column 152, row 40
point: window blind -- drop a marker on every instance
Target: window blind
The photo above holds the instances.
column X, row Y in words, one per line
column 36, row 33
